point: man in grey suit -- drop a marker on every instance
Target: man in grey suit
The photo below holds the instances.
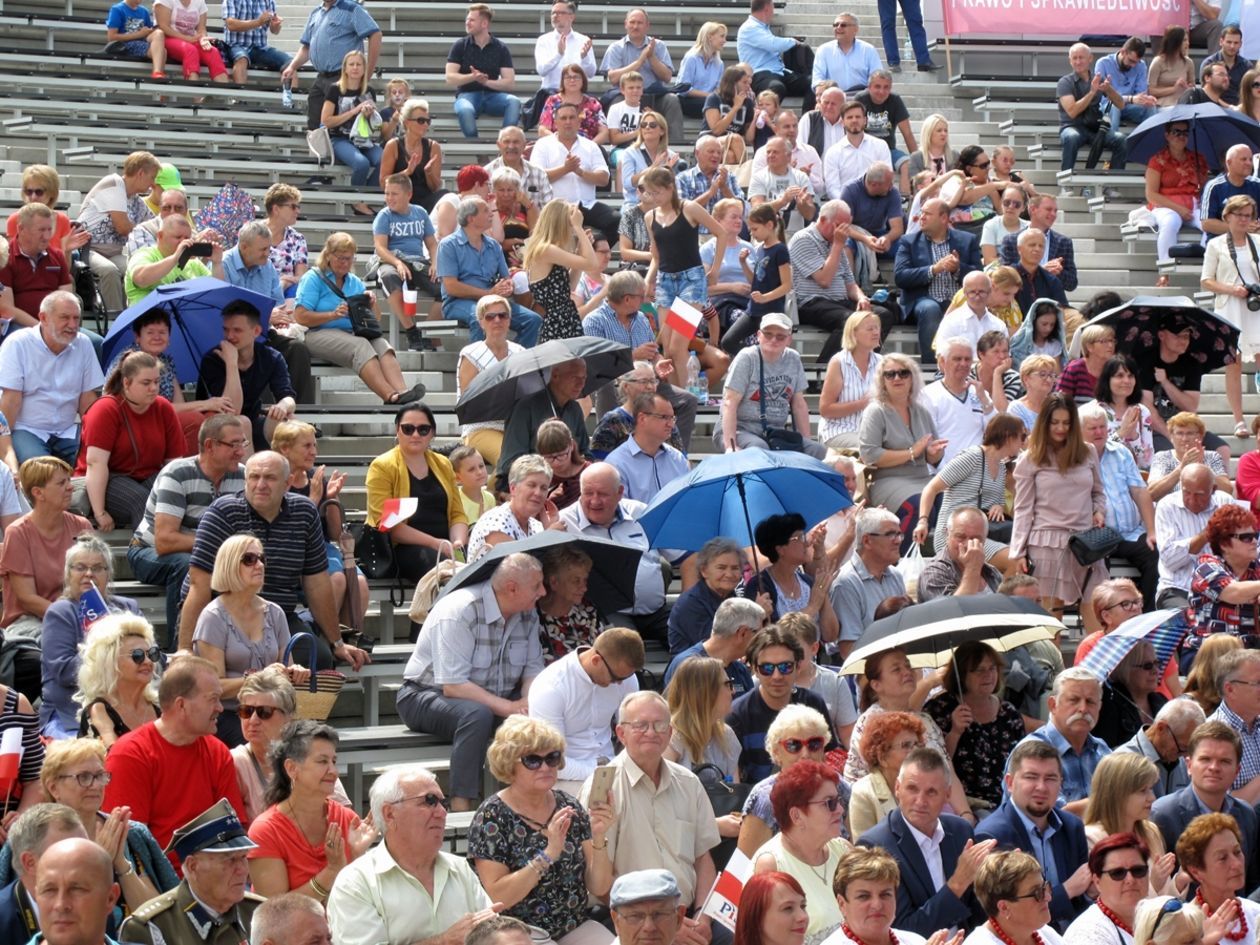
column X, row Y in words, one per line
column 935, row 852
column 1215, row 754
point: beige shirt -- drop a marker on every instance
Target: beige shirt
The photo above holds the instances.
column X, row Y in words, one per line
column 666, row 827
column 376, row 902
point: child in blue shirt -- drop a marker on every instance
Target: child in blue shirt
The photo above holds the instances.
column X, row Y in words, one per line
column 131, row 31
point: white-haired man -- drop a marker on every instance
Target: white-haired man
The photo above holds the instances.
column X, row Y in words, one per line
column 868, row 578
column 1165, row 742
column 959, row 405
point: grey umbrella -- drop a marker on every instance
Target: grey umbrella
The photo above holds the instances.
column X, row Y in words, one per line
column 496, row 390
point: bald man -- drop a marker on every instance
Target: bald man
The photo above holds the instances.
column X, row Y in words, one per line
column 972, row 319
column 75, row 893
column 1080, row 95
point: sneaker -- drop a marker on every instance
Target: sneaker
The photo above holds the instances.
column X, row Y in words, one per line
column 928, row 66
column 1112, row 193
column 1066, row 192
column 415, row 339
column 1087, row 192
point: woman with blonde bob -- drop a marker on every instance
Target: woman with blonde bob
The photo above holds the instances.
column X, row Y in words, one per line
column 1038, row 373
column 1165, row 920
column 1014, row 894
column 699, row 695
column 847, row 386
column 1120, row 798
column 534, row 847
column 239, row 631
column 323, row 310
column 118, row 667
column 1201, row 683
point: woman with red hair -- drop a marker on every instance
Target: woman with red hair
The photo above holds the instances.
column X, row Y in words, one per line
column 771, row 911
column 472, row 180
column 1226, row 581
column 1119, row 865
column 807, row 805
column 886, row 741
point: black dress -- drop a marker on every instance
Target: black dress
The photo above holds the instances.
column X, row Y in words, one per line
column 560, row 315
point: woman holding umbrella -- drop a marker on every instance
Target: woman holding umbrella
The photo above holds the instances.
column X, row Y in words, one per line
column 1131, row 696
column 1174, row 179
column 789, row 549
column 1051, row 477
column 1226, row 580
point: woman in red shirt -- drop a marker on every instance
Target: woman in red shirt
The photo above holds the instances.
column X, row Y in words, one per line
column 1174, row 179
column 129, row 434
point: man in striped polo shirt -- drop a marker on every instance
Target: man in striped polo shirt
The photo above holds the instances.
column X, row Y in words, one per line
column 292, row 537
column 181, row 494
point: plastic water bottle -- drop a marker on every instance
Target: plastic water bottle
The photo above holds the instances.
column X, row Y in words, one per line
column 693, row 373
column 286, row 95
column 907, row 51
column 702, row 388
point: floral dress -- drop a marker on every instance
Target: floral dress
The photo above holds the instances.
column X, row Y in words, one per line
column 560, row 315
column 592, row 119
column 289, row 253
column 981, row 754
column 501, row 835
column 561, row 635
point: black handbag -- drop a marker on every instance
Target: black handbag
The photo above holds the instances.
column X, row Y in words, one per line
column 777, row 440
column 726, row 798
column 374, row 552
column 363, row 323
column 1094, row 544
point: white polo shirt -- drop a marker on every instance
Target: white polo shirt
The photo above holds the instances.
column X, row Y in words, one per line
column 961, row 420
column 50, row 384
column 550, row 152
column 963, row 323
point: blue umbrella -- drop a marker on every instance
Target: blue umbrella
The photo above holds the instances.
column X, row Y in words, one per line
column 1213, row 131
column 1163, row 629
column 727, row 493
column 195, row 307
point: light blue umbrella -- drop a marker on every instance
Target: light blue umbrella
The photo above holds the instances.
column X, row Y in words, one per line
column 1163, row 629
column 729, row 493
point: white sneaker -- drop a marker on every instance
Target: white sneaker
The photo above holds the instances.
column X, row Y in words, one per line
column 1066, row 192
column 1112, row 193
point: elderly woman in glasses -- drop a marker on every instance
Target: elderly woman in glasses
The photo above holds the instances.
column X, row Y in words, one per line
column 527, row 511
column 807, row 804
column 117, row 685
column 266, row 703
column 239, row 631
column 74, row 774
column 1210, row 851
column 1015, row 895
column 89, row 565
column 1118, row 864
column 534, row 847
column 1226, row 580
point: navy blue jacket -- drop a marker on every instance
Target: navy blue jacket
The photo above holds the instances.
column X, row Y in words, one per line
column 912, row 268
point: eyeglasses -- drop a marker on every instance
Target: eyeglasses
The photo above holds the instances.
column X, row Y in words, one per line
column 640, row 728
column 87, row 779
column 1168, row 908
column 421, row 119
column 264, row 712
column 786, row 668
column 793, row 746
column 428, row 800
column 659, row 917
column 495, row 316
column 1126, row 605
column 1148, row 667
column 897, row 374
column 414, row 429
column 663, row 416
column 153, row 654
column 832, row 803
column 1178, row 132
column 892, row 534
column 89, row 569
column 1243, row 682
column 1245, row 536
column 982, row 167
column 233, row 444
column 33, row 191
column 1038, row 894
column 553, row 759
column 295, row 206
column 1046, row 375
column 251, row 558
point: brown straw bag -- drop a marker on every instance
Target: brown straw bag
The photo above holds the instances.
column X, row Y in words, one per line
column 315, row 699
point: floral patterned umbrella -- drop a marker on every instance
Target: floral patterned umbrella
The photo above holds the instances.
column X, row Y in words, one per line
column 1137, row 323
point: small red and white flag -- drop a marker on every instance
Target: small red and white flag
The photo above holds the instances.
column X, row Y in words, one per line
column 10, row 757
column 684, row 318
column 396, row 511
column 722, row 905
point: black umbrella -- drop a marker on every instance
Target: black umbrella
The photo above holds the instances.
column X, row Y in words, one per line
column 1137, row 322
column 928, row 633
column 496, row 390
column 1213, row 131
column 613, row 570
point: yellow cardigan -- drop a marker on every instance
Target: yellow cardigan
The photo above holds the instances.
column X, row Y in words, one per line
column 387, row 478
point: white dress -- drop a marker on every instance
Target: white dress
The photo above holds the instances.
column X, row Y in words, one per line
column 1093, row 928
column 903, row 938
column 984, row 936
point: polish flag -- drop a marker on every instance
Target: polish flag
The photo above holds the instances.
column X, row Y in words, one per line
column 683, row 318
column 722, row 904
column 396, row 511
column 10, row 757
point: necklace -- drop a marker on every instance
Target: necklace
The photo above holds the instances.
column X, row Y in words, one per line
column 854, row 937
column 1240, row 932
column 1115, row 919
column 538, row 825
column 1001, row 935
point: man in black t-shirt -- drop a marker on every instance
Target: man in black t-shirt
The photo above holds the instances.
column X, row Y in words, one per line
column 1170, row 382
column 886, row 114
column 780, row 653
column 480, row 68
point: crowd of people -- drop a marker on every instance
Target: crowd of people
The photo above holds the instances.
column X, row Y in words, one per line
column 168, row 788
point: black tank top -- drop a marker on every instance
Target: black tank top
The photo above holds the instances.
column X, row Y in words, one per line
column 677, row 245
column 419, row 183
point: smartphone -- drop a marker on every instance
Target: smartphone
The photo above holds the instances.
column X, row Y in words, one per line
column 200, row 250
column 77, row 225
column 601, row 783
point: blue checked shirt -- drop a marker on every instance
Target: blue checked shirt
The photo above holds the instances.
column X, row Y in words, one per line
column 693, row 182
column 246, row 10
column 1120, row 473
column 1250, row 735
column 604, row 323
column 1078, row 769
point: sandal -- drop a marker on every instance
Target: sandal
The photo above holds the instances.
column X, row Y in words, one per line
column 157, row 75
column 1241, row 431
column 399, row 397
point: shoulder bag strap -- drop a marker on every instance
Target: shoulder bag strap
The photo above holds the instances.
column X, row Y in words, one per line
column 761, row 388
column 332, row 285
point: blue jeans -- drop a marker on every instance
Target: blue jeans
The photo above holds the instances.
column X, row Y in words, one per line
column 166, row 571
column 690, row 285
column 26, row 444
column 468, row 105
column 928, row 313
column 912, row 12
column 1129, row 114
column 525, row 323
column 364, row 163
column 261, row 57
column 1072, row 137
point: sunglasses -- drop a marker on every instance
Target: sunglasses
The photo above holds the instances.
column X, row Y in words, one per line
column 428, row 800
column 784, row 668
column 33, row 191
column 608, row 666
column 495, row 316
column 1179, row 132
column 1168, row 908
column 897, row 374
column 251, row 558
column 832, row 803
column 553, row 759
column 264, row 712
column 153, row 654
column 1012, row 203
column 421, row 120
column 982, row 167
column 1039, row 893
column 1149, row 667
column 793, row 746
column 648, row 124
column 412, row 429
column 1245, row 536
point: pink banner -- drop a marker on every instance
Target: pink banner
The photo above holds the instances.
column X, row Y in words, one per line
column 1063, row 17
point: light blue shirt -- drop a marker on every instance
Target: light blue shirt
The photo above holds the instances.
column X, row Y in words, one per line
column 458, row 258
column 848, row 70
column 1040, row 841
column 1119, row 473
column 1132, row 82
column 701, row 75
column 331, row 32
column 604, row 323
column 261, row 279
column 643, row 475
column 316, row 295
column 756, row 45
column 730, row 270
column 1078, row 768
column 856, row 593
